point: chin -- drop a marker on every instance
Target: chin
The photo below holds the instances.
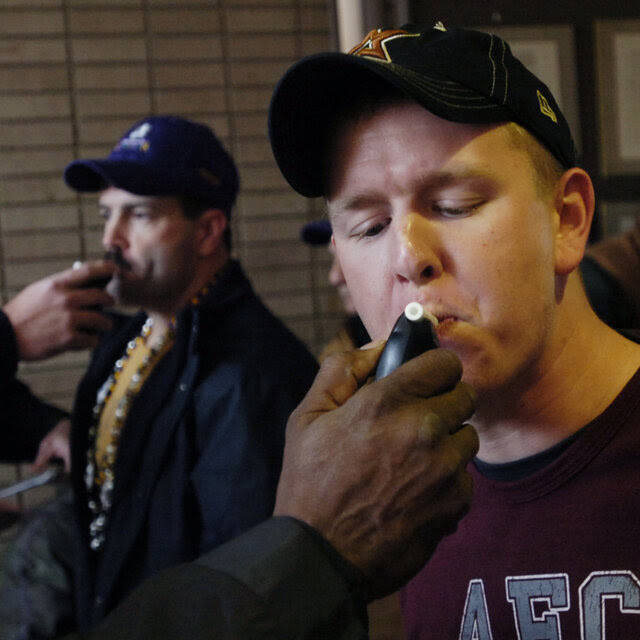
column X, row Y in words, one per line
column 122, row 293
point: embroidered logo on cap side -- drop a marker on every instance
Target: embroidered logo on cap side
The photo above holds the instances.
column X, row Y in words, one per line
column 375, row 42
column 205, row 174
column 545, row 107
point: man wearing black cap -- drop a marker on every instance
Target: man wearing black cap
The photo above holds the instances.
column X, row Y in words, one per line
column 178, row 424
column 450, row 178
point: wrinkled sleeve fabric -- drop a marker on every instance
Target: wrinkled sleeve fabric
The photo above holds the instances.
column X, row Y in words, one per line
column 279, row 580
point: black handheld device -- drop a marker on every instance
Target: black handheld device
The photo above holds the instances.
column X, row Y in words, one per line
column 413, row 334
column 98, row 283
column 95, row 283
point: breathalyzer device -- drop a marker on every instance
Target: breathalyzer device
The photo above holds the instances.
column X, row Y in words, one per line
column 413, row 333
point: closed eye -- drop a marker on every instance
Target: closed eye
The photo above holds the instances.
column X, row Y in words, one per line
column 456, row 210
column 373, row 230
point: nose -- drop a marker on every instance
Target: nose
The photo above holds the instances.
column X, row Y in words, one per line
column 418, row 258
column 114, row 232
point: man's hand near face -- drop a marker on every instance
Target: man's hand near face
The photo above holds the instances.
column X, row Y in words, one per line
column 61, row 311
column 378, row 468
column 55, row 446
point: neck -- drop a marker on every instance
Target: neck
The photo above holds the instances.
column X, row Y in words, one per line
column 161, row 324
column 584, row 369
column 203, row 277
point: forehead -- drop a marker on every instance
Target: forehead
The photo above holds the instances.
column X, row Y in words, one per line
column 404, row 139
column 114, row 197
column 403, row 117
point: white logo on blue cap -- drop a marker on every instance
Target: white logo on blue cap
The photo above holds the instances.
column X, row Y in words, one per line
column 141, row 131
column 136, row 140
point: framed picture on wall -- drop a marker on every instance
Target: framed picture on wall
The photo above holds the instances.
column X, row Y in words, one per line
column 618, row 61
column 549, row 51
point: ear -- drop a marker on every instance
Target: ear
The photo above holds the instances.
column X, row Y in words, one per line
column 575, row 202
column 210, row 227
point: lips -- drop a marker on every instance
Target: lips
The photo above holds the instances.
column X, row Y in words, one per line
column 442, row 314
column 446, row 318
column 445, row 321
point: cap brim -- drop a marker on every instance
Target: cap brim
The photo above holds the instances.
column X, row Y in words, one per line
column 95, row 175
column 308, row 95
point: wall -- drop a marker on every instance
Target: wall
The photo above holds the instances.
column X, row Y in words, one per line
column 75, row 74
column 576, row 30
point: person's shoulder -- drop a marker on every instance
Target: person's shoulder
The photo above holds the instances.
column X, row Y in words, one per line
column 250, row 325
column 252, row 349
column 243, row 331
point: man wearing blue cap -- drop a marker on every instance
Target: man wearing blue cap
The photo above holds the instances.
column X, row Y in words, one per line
column 178, row 424
column 450, row 178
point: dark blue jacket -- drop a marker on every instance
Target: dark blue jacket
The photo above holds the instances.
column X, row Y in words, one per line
column 200, row 452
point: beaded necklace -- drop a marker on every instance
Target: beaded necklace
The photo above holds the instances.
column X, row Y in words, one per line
column 99, row 474
column 100, row 477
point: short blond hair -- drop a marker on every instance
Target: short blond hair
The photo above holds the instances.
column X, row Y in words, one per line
column 546, row 167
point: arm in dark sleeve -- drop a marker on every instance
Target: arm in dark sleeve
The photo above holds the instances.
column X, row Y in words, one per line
column 25, row 419
column 8, row 353
column 279, row 580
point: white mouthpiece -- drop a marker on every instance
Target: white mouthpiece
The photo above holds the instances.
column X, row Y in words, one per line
column 414, row 311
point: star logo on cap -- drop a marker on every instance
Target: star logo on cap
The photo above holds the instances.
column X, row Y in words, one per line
column 375, row 42
column 205, row 174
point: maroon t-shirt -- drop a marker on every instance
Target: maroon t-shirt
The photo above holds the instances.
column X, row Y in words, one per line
column 553, row 556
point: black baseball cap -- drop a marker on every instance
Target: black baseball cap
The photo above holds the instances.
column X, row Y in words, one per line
column 163, row 155
column 457, row 74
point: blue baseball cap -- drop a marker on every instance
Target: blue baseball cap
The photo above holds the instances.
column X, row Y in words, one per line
column 317, row 232
column 163, row 156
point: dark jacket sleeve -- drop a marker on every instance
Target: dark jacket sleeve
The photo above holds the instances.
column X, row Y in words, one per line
column 8, row 353
column 25, row 419
column 277, row 581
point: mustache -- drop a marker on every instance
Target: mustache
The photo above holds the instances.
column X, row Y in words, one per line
column 115, row 256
